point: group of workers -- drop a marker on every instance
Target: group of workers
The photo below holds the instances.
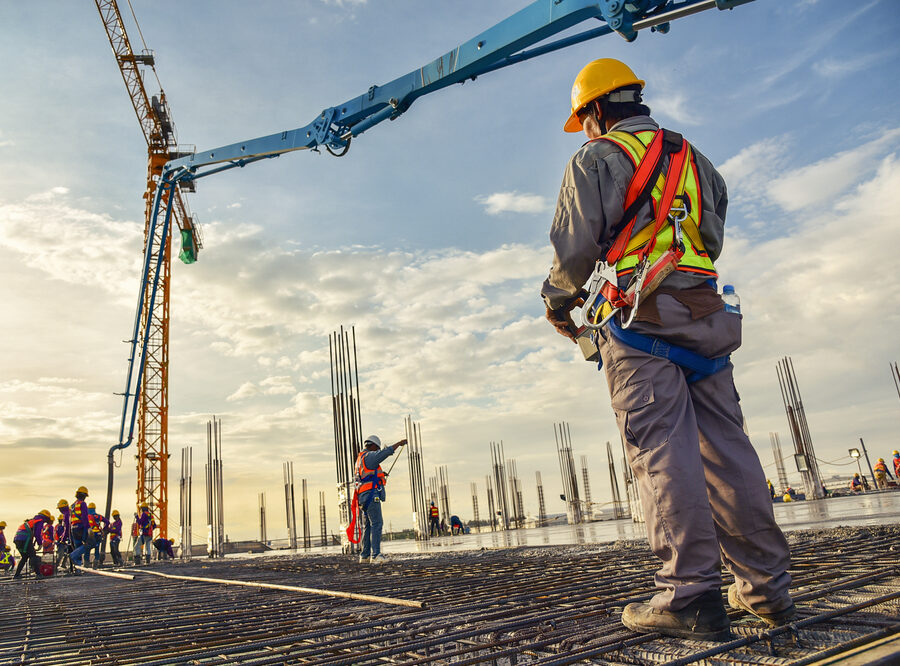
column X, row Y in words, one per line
column 437, row 526
column 859, row 483
column 76, row 538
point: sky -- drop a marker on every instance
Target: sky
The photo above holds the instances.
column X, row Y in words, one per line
column 430, row 237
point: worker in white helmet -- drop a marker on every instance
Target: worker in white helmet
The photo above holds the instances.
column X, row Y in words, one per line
column 369, row 495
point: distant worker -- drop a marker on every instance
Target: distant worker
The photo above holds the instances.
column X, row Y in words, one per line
column 2, row 535
column 28, row 539
column 98, row 526
column 369, row 495
column 456, row 526
column 443, row 526
column 896, row 455
column 434, row 520
column 7, row 561
column 80, row 526
column 881, row 474
column 115, row 538
column 61, row 538
column 47, row 540
column 856, row 484
column 632, row 197
column 164, row 548
column 145, row 534
column 787, row 497
column 771, row 488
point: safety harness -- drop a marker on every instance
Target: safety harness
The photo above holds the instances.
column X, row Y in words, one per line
column 638, row 255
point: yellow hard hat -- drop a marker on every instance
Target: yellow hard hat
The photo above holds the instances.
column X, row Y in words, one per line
column 61, row 503
column 60, row 518
column 115, row 512
column 46, row 514
column 92, row 506
column 895, row 453
column 81, row 489
column 855, row 475
column 2, row 523
column 881, row 460
column 144, row 505
column 598, row 78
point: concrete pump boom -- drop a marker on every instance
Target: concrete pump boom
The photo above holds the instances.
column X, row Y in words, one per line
column 509, row 42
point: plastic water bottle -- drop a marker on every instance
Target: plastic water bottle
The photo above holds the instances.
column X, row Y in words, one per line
column 732, row 300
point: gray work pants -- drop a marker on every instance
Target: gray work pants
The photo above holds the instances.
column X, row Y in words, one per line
column 702, row 487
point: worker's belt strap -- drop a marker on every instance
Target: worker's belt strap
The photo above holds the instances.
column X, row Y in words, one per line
column 696, row 367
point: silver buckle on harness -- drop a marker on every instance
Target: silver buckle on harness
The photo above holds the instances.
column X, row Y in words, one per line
column 602, row 274
column 637, row 281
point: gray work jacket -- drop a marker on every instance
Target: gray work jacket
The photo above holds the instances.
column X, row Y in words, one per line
column 591, row 203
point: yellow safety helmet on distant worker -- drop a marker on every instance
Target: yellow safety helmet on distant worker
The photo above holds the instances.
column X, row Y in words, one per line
column 115, row 512
column 61, row 518
column 92, row 506
column 596, row 79
column 81, row 489
column 62, row 504
column 2, row 523
column 46, row 514
column 144, row 505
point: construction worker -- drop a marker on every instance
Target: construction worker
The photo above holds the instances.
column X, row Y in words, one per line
column 369, row 495
column 7, row 561
column 456, row 526
column 896, row 455
column 28, row 539
column 434, row 520
column 97, row 524
column 61, row 538
column 145, row 536
column 80, row 527
column 881, row 474
column 164, row 548
column 2, row 535
column 115, row 538
column 771, row 489
column 702, row 485
column 856, row 484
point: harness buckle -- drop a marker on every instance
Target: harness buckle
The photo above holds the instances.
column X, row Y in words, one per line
column 603, row 274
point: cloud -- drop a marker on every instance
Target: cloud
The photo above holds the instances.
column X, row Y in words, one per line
column 674, row 105
column 837, row 68
column 513, row 202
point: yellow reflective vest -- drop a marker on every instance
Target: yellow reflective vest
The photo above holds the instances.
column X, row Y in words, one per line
column 695, row 259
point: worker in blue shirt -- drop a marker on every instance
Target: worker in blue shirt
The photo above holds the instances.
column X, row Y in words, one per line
column 164, row 546
column 370, row 480
column 456, row 526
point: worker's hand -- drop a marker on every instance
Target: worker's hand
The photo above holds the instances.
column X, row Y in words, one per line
column 402, row 442
column 562, row 320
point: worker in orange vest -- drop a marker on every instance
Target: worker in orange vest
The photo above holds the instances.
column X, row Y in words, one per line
column 881, row 474
column 27, row 539
column 369, row 495
column 80, row 531
column 434, row 520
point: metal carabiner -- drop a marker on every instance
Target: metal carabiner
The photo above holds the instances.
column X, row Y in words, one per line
column 602, row 274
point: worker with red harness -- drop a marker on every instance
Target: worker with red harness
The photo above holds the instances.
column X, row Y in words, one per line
column 97, row 523
column 640, row 220
column 896, row 455
column 2, row 535
column 145, row 525
column 115, row 538
column 368, row 496
column 28, row 538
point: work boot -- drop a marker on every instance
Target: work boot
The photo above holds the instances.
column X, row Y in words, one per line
column 378, row 559
column 363, row 559
column 137, row 560
column 772, row 619
column 703, row 619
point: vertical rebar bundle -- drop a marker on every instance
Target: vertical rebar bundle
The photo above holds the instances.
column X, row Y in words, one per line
column 542, row 507
column 215, row 491
column 499, row 470
column 515, row 493
column 475, row 517
column 588, row 504
column 262, row 518
column 779, row 461
column 632, row 492
column 346, row 417
column 492, row 507
column 619, row 510
column 444, row 493
column 184, row 486
column 307, row 538
column 793, row 407
column 895, row 375
column 323, row 525
column 563, row 435
column 290, row 506
column 416, row 478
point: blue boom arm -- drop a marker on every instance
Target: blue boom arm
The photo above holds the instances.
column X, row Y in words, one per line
column 509, row 42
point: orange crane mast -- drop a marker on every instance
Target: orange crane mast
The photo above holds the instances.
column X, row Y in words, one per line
column 159, row 131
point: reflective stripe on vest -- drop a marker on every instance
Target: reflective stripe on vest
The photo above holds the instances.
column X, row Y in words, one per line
column 366, row 478
column 695, row 259
column 434, row 512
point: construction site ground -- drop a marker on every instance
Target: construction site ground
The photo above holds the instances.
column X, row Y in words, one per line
column 526, row 605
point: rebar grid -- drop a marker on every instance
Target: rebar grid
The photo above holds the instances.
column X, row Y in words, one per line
column 552, row 605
